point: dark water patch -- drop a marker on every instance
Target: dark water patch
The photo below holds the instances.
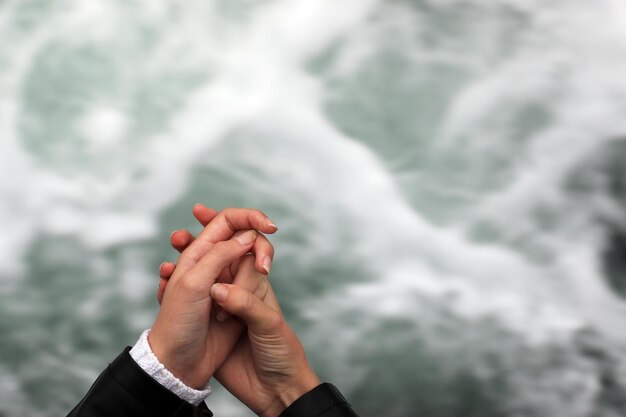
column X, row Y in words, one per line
column 444, row 365
column 602, row 177
column 614, row 256
column 58, row 88
column 603, row 170
column 157, row 97
column 495, row 29
column 67, row 318
column 610, row 372
column 614, row 261
column 414, row 380
column 69, row 84
column 398, row 98
column 32, row 13
column 395, row 109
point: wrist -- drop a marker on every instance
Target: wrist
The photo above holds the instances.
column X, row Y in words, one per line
column 291, row 392
column 297, row 389
column 188, row 375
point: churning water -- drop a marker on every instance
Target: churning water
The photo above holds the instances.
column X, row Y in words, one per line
column 449, row 179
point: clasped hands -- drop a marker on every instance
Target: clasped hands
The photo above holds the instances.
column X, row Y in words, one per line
column 219, row 316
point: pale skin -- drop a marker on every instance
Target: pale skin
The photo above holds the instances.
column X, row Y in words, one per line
column 255, row 355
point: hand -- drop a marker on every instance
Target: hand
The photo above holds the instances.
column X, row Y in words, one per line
column 228, row 221
column 185, row 338
column 267, row 370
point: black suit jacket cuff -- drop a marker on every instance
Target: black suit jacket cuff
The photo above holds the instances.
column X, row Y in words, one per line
column 124, row 389
column 325, row 400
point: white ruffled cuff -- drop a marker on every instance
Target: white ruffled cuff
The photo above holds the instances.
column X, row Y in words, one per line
column 143, row 355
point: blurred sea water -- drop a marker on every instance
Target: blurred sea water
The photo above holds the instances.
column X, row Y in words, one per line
column 448, row 177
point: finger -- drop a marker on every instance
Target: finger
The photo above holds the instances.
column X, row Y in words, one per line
column 262, row 248
column 260, row 318
column 222, row 227
column 166, row 269
column 161, row 290
column 219, row 257
column 203, row 213
column 246, row 277
column 181, row 239
column 258, row 284
column 250, row 279
column 227, row 276
column 264, row 253
column 270, row 297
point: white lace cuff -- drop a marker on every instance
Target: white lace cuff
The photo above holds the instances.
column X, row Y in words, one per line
column 143, row 355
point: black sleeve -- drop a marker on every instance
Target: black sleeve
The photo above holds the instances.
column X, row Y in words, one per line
column 325, row 400
column 124, row 389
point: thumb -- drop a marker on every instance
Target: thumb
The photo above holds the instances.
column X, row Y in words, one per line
column 260, row 318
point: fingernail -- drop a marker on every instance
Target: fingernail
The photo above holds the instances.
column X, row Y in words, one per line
column 161, row 266
column 219, row 292
column 246, row 238
column 267, row 264
column 172, row 234
column 271, row 223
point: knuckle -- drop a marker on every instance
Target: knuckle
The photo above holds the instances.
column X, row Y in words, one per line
column 216, row 251
column 225, row 216
column 188, row 258
column 252, row 212
column 247, row 304
column 219, row 250
column 187, row 284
